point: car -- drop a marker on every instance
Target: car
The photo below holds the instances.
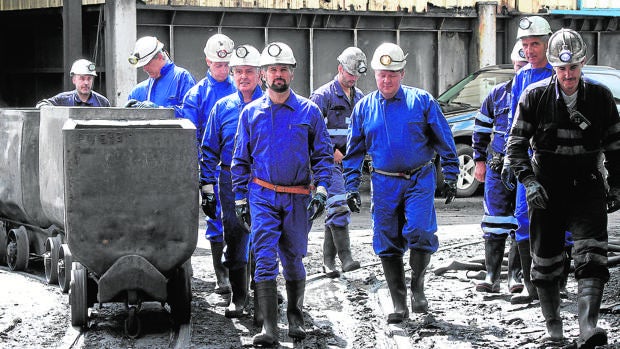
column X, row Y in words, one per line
column 461, row 102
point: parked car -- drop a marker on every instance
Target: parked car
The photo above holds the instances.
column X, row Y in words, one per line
column 461, row 102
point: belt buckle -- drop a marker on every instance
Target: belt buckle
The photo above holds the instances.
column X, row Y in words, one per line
column 275, row 188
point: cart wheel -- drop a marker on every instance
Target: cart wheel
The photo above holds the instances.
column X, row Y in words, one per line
column 50, row 258
column 180, row 294
column 18, row 249
column 64, row 268
column 78, row 295
column 3, row 242
column 133, row 327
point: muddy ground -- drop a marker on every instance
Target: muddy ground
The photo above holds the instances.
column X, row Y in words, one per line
column 348, row 312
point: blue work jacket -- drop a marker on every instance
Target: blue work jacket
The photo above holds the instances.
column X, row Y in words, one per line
column 492, row 119
column 71, row 99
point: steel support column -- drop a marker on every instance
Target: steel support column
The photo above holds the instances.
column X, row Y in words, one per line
column 485, row 33
column 120, row 29
column 72, row 37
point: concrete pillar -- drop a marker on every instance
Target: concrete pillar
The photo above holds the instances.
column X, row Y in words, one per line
column 72, row 38
column 120, row 37
column 485, row 33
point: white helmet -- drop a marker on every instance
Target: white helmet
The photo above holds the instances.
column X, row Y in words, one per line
column 565, row 47
column 533, row 26
column 146, row 48
column 353, row 60
column 219, row 48
column 518, row 55
column 277, row 53
column 83, row 67
column 245, row 55
column 388, row 56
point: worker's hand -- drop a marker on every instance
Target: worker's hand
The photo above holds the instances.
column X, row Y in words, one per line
column 354, row 201
column 480, row 171
column 146, row 104
column 317, row 204
column 613, row 200
column 131, row 103
column 208, row 201
column 449, row 190
column 508, row 177
column 536, row 195
column 242, row 210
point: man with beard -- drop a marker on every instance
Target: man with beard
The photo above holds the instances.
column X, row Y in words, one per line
column 83, row 74
column 282, row 147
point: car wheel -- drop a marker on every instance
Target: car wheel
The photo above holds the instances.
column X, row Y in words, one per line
column 466, row 184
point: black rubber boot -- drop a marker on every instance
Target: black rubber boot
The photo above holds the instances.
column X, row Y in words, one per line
column 590, row 294
column 343, row 246
column 568, row 254
column 394, row 271
column 529, row 293
column 267, row 294
column 329, row 255
column 294, row 311
column 493, row 256
column 549, row 296
column 515, row 283
column 239, row 285
column 418, row 262
column 221, row 272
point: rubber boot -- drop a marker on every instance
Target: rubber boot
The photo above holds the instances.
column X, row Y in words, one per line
column 590, row 294
column 418, row 262
column 239, row 285
column 329, row 255
column 493, row 256
column 294, row 311
column 221, row 272
column 549, row 296
column 267, row 294
column 568, row 253
column 529, row 293
column 515, row 283
column 394, row 271
column 343, row 246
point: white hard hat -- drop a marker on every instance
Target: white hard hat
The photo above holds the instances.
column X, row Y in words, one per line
column 533, row 26
column 353, row 60
column 83, row 67
column 146, row 48
column 245, row 55
column 565, row 47
column 518, row 55
column 277, row 53
column 219, row 48
column 388, row 56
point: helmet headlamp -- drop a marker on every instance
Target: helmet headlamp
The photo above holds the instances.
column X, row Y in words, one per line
column 274, row 50
column 525, row 23
column 362, row 68
column 386, row 60
column 241, row 52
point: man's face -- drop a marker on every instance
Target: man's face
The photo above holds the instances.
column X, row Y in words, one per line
column 388, row 82
column 346, row 79
column 153, row 68
column 83, row 83
column 246, row 78
column 568, row 77
column 535, row 48
column 278, row 77
column 219, row 70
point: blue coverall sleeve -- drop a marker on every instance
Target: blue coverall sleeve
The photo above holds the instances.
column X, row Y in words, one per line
column 211, row 147
column 242, row 158
column 444, row 141
column 483, row 126
column 356, row 150
column 321, row 158
column 186, row 82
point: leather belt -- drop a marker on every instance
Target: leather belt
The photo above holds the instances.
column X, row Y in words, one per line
column 294, row 189
column 225, row 167
column 404, row 174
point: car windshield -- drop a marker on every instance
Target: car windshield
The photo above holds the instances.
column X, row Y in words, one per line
column 472, row 90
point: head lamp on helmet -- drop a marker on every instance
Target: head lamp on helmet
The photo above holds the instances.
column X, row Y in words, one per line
column 566, row 47
column 245, row 55
column 146, row 48
column 533, row 26
column 388, row 56
column 83, row 67
column 518, row 55
column 277, row 53
column 219, row 48
column 353, row 60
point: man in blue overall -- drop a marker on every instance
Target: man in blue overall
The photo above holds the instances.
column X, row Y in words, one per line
column 336, row 100
column 401, row 128
column 281, row 148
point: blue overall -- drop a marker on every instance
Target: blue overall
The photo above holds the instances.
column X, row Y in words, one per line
column 71, row 99
column 197, row 105
column 336, row 108
column 217, row 149
column 286, row 145
column 400, row 134
column 491, row 127
column 167, row 90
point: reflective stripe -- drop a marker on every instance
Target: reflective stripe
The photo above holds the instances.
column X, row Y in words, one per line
column 484, row 118
column 339, row 197
column 499, row 220
column 497, row 231
column 482, row 129
column 337, row 131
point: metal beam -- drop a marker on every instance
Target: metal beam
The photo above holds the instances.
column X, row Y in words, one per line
column 72, row 37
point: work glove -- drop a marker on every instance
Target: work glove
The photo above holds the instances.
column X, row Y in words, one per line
column 318, row 202
column 208, row 200
column 242, row 210
column 613, row 200
column 536, row 195
column 132, row 103
column 354, row 201
column 449, row 190
column 508, row 177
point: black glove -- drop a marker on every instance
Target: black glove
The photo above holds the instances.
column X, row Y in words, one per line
column 354, row 201
column 131, row 103
column 318, row 203
column 613, row 200
column 536, row 195
column 449, row 190
column 242, row 210
column 208, row 201
column 508, row 177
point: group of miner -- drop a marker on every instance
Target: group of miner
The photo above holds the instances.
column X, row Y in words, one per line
column 272, row 161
